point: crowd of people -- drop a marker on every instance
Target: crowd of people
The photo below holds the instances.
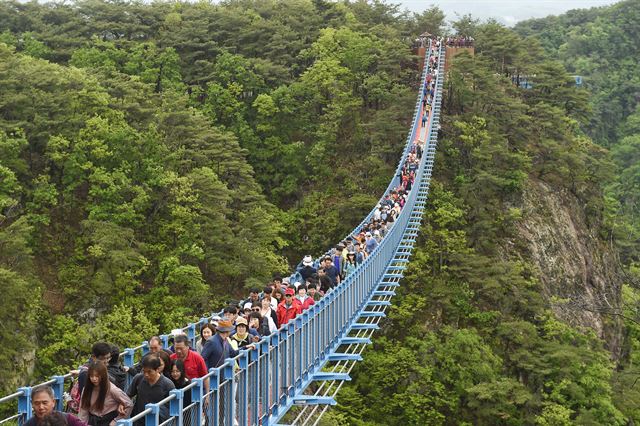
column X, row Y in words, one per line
column 422, row 41
column 100, row 396
column 460, row 41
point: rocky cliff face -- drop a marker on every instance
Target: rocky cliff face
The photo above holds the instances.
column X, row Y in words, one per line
column 579, row 273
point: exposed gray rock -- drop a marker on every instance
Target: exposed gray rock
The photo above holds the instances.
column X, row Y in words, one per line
column 578, row 271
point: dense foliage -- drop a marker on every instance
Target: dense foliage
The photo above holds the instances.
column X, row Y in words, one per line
column 157, row 159
column 602, row 46
column 470, row 338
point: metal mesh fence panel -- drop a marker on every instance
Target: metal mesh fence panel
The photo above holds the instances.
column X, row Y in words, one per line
column 226, row 406
column 253, row 391
column 240, row 396
column 210, row 410
column 297, row 356
column 274, row 385
column 189, row 415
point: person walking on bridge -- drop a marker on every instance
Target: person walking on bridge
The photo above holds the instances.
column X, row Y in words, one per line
column 351, row 264
column 43, row 404
column 268, row 314
column 337, row 258
column 218, row 348
column 331, row 271
column 305, row 300
column 371, row 243
column 307, row 269
column 206, row 332
column 100, row 352
column 155, row 346
column 289, row 308
column 150, row 387
column 115, row 370
column 102, row 403
column 194, row 365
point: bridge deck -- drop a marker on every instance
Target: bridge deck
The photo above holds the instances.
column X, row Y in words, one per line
column 319, row 346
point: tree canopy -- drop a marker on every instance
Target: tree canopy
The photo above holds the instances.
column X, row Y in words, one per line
column 157, row 159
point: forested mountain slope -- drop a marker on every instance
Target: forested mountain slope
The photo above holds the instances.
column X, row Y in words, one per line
column 512, row 311
column 158, row 159
column 603, row 46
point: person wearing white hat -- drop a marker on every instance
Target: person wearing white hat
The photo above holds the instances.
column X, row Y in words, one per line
column 307, row 269
column 241, row 338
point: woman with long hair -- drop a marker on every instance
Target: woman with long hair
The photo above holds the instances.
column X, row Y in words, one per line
column 350, row 265
column 102, row 403
column 277, row 295
column 180, row 380
column 206, row 332
column 165, row 363
column 268, row 313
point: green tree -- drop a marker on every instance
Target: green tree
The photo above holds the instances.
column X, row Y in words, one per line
column 465, row 25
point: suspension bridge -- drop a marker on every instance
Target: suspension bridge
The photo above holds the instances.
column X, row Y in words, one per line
column 304, row 363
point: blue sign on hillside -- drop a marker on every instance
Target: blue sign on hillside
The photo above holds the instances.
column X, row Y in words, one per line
column 524, row 82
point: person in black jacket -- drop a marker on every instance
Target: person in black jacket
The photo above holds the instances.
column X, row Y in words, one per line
column 180, row 380
column 307, row 269
column 150, row 387
column 100, row 352
column 117, row 374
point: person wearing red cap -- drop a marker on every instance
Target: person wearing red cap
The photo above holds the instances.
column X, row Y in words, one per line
column 289, row 308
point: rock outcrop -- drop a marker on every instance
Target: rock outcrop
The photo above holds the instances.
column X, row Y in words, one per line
column 578, row 271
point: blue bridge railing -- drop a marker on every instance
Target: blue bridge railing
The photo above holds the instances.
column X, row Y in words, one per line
column 259, row 386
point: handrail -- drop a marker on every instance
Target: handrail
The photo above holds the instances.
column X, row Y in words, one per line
column 394, row 180
column 328, row 389
column 8, row 419
column 10, row 397
column 366, row 271
column 303, row 344
column 141, row 414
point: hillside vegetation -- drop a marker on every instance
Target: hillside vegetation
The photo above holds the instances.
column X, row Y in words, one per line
column 602, row 45
column 483, row 331
column 158, row 159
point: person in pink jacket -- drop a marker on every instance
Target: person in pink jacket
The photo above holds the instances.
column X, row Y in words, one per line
column 102, row 403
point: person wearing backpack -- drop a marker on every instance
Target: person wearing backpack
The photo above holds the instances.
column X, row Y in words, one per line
column 150, row 387
column 100, row 352
column 115, row 371
column 102, row 403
